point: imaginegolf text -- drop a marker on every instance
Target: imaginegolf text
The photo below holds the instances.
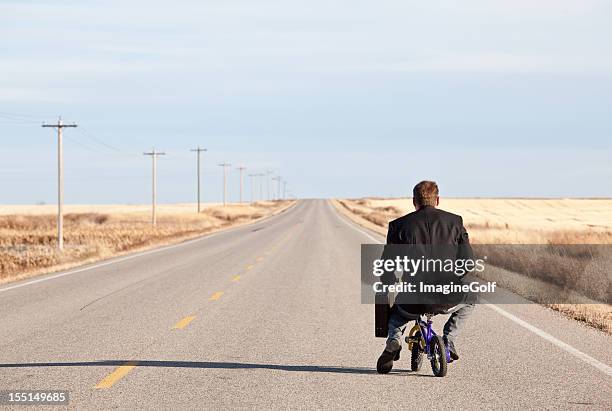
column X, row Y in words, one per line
column 404, row 287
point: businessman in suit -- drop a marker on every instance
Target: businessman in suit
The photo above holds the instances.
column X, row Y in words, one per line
column 428, row 225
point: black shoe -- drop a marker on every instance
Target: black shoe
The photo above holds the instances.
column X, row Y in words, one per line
column 390, row 354
column 451, row 348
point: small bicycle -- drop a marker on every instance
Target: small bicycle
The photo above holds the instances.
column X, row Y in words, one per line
column 423, row 339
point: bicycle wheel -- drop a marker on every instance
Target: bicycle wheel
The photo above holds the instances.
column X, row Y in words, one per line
column 438, row 356
column 416, row 356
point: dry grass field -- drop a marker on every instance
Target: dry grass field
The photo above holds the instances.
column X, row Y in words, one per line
column 510, row 221
column 561, row 224
column 28, row 233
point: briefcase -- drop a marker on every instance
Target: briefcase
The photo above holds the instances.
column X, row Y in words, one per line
column 381, row 315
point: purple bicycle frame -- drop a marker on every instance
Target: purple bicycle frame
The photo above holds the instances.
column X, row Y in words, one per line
column 428, row 334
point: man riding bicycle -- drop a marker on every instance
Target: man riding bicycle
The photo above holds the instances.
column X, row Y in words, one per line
column 427, row 225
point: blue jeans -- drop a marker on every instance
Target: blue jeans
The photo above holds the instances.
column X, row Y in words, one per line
column 399, row 318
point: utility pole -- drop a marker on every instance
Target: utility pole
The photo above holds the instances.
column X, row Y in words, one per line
column 225, row 165
column 241, row 168
column 284, row 190
column 154, row 155
column 60, row 180
column 260, row 184
column 268, row 173
column 252, row 179
column 198, row 150
column 278, row 180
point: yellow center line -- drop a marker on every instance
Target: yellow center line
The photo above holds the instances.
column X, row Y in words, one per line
column 184, row 322
column 216, row 296
column 116, row 375
column 236, row 279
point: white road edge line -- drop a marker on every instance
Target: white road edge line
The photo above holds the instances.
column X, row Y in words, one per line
column 576, row 353
column 142, row 253
column 606, row 369
column 353, row 225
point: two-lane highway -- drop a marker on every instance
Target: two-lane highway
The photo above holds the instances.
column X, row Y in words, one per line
column 269, row 315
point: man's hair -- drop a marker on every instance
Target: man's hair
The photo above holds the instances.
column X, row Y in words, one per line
column 425, row 193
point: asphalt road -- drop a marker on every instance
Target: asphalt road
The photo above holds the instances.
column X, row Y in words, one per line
column 269, row 316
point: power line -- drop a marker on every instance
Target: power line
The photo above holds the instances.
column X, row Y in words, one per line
column 95, row 139
column 16, row 122
column 22, row 118
column 5, row 113
column 96, row 150
column 18, row 119
column 83, row 145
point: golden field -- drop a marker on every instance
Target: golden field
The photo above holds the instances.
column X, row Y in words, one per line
column 93, row 232
column 509, row 221
column 553, row 222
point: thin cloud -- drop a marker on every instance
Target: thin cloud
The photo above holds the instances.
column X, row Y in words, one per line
column 482, row 63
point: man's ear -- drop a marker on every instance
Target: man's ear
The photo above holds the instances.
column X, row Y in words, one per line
column 437, row 201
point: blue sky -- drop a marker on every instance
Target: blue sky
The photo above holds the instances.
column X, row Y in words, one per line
column 342, row 98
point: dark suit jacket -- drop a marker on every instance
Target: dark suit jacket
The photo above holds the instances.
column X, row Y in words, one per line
column 429, row 226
